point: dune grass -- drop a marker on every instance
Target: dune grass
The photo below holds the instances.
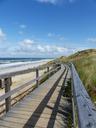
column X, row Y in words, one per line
column 86, row 68
column 85, row 63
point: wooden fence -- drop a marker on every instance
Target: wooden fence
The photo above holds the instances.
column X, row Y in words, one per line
column 84, row 111
column 7, row 78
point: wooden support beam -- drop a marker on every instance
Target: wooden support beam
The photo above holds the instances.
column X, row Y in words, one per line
column 0, row 83
column 48, row 71
column 8, row 83
column 37, row 76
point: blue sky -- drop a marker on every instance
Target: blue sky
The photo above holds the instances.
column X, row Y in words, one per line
column 46, row 28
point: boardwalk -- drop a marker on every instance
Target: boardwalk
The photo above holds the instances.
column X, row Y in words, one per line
column 42, row 108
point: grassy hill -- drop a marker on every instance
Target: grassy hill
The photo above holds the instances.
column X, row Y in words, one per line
column 85, row 63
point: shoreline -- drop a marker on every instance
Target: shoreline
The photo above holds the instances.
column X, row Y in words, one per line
column 20, row 63
column 9, row 69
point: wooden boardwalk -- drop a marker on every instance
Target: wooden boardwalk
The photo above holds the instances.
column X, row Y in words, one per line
column 42, row 108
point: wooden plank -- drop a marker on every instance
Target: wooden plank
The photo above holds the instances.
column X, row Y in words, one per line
column 85, row 108
column 15, row 117
column 27, row 83
column 37, row 75
column 18, row 71
column 48, row 69
column 8, row 83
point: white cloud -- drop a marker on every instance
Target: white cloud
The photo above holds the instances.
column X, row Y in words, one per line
column 2, row 35
column 61, row 49
column 56, row 36
column 55, row 49
column 40, row 48
column 48, row 1
column 48, row 48
column 51, row 49
column 92, row 40
column 30, row 47
column 55, row 1
column 26, row 43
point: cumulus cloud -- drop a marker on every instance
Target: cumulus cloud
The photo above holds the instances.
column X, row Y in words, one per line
column 26, row 43
column 34, row 46
column 51, row 49
column 2, row 35
column 40, row 48
column 30, row 47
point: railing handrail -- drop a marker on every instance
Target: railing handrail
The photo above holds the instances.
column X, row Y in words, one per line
column 6, row 95
column 21, row 71
column 86, row 110
column 9, row 92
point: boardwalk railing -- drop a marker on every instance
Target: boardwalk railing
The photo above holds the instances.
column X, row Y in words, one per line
column 82, row 104
column 7, row 77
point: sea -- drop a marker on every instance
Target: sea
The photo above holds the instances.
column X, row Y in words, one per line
column 18, row 60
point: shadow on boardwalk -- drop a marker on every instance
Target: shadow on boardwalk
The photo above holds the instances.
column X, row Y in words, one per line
column 32, row 122
column 60, row 108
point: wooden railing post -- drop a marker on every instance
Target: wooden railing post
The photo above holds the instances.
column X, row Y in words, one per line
column 48, row 71
column 0, row 83
column 37, row 75
column 8, row 83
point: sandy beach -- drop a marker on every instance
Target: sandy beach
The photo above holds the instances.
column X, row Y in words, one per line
column 20, row 79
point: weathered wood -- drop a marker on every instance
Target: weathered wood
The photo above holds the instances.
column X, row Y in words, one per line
column 86, row 110
column 48, row 71
column 27, row 83
column 1, row 83
column 29, row 113
column 73, row 106
column 37, row 75
column 8, row 83
column 18, row 71
column 22, row 86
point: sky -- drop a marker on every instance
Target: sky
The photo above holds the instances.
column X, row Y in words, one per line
column 46, row 28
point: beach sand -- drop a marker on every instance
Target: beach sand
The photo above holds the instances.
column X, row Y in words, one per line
column 18, row 81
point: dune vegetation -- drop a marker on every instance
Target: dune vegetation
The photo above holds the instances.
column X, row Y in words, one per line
column 85, row 63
